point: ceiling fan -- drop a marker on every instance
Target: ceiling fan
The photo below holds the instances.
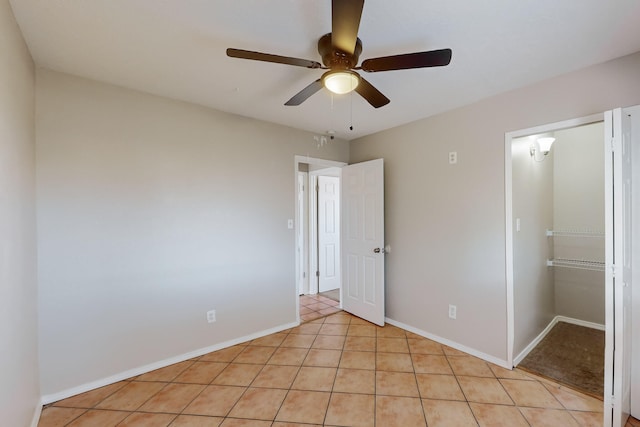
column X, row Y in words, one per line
column 340, row 50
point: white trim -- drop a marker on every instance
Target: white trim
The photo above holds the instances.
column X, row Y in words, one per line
column 635, row 256
column 317, row 162
column 297, row 159
column 579, row 322
column 508, row 188
column 609, row 341
column 452, row 344
column 508, row 203
column 302, row 234
column 552, row 127
column 36, row 414
column 312, row 250
column 54, row 397
column 546, row 330
column 520, row 357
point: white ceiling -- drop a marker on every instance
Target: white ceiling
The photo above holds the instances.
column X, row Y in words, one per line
column 176, row 48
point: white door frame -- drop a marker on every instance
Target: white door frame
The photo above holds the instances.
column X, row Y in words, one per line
column 635, row 244
column 302, row 233
column 316, row 162
column 620, row 140
column 312, row 247
column 508, row 139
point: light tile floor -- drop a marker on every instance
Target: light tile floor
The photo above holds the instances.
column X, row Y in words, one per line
column 313, row 307
column 335, row 371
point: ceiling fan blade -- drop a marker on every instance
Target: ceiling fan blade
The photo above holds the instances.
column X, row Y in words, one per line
column 433, row 58
column 305, row 93
column 371, row 94
column 345, row 21
column 267, row 57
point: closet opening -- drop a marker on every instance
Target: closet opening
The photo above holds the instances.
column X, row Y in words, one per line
column 558, row 253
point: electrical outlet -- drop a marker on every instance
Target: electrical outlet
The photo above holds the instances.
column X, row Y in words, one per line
column 452, row 311
column 211, row 316
column 453, row 157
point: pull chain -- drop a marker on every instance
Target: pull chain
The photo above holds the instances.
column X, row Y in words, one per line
column 351, row 112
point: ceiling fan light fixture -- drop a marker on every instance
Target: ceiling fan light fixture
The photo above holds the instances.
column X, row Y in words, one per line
column 341, row 81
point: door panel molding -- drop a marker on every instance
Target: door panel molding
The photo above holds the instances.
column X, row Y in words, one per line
column 363, row 240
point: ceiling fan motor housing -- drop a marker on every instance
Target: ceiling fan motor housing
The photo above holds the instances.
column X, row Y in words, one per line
column 336, row 59
column 340, row 51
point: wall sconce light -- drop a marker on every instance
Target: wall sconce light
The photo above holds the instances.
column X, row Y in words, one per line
column 541, row 145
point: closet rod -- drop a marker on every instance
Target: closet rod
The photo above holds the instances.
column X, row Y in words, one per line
column 567, row 233
column 577, row 264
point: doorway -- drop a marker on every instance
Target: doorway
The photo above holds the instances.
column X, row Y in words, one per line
column 558, row 253
column 621, row 133
column 318, row 264
column 358, row 261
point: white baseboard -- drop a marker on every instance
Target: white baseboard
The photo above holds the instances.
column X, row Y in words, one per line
column 36, row 414
column 54, row 397
column 535, row 342
column 520, row 357
column 579, row 322
column 452, row 344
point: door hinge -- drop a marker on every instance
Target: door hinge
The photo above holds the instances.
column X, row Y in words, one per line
column 613, row 270
column 317, row 273
column 612, row 141
column 304, row 274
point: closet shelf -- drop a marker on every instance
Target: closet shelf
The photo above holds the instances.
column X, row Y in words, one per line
column 574, row 233
column 576, row 263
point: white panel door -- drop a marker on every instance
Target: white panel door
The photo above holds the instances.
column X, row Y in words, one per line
column 618, row 268
column 363, row 240
column 328, row 233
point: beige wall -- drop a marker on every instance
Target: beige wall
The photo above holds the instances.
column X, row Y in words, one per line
column 578, row 204
column 565, row 192
column 19, row 383
column 445, row 223
column 150, row 213
column 533, row 281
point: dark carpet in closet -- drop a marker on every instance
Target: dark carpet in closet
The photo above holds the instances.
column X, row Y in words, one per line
column 572, row 355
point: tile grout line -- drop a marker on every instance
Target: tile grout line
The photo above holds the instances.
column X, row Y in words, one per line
column 263, row 367
column 415, row 379
column 316, row 335
column 466, row 399
column 337, row 370
column 211, row 382
column 375, row 377
column 297, row 372
column 150, row 397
